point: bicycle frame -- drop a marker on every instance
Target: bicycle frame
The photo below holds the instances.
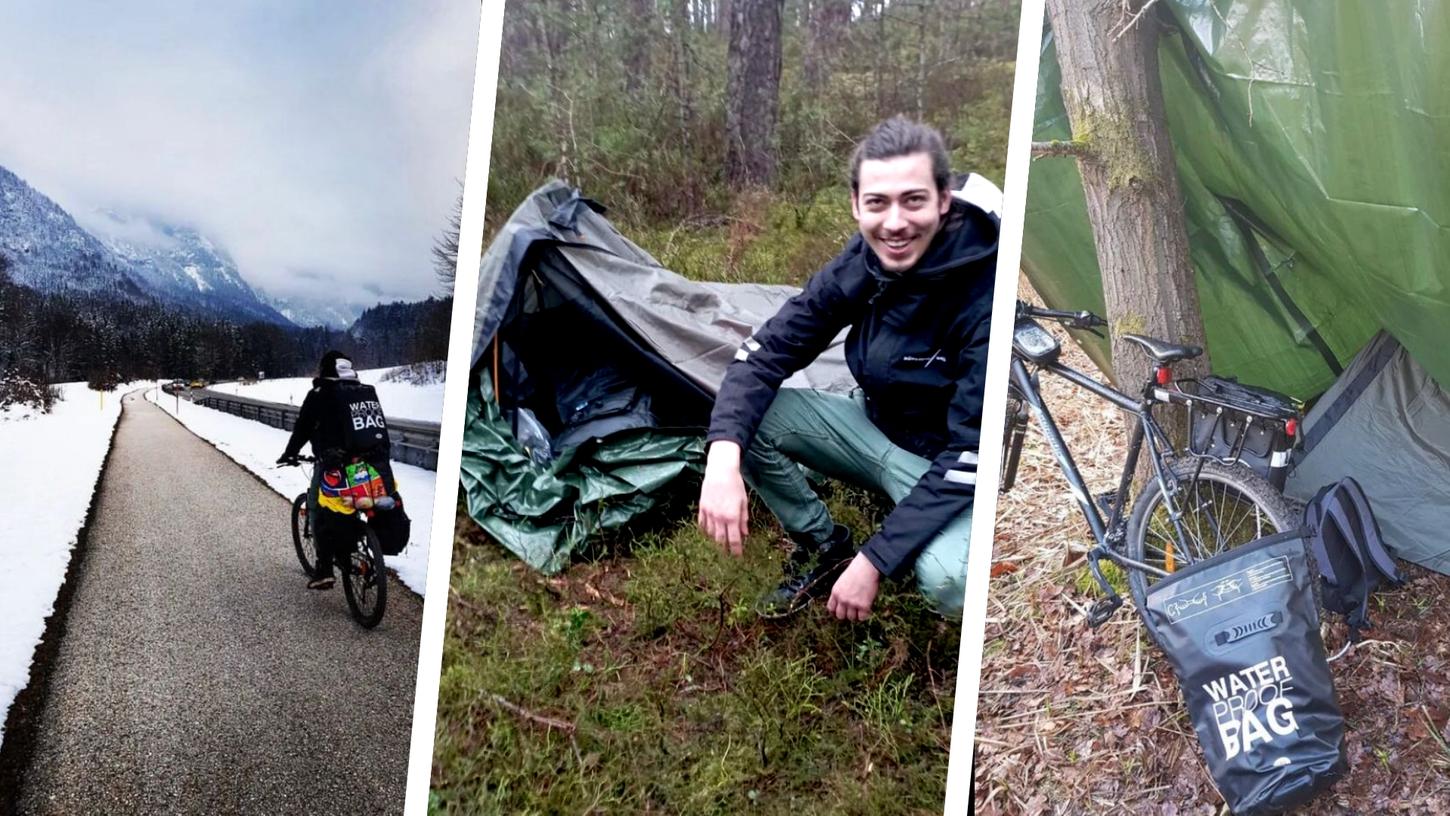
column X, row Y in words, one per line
column 1106, row 531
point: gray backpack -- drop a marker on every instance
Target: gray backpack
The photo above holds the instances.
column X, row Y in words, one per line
column 1352, row 558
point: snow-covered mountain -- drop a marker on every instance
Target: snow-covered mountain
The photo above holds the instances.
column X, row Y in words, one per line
column 315, row 311
column 123, row 255
column 48, row 250
column 180, row 265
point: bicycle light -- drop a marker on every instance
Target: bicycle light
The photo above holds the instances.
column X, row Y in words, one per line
column 1163, row 374
column 1291, row 426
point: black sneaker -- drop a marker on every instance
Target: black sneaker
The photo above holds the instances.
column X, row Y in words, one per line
column 322, row 580
column 810, row 571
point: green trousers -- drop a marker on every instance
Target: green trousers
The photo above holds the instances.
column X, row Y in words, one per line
column 830, row 434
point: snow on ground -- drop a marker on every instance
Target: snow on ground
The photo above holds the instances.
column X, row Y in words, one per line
column 400, row 399
column 52, row 463
column 256, row 447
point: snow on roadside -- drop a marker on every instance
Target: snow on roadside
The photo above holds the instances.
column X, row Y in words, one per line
column 400, row 400
column 256, row 447
column 52, row 464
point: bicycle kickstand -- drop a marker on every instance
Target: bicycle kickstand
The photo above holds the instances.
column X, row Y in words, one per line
column 1102, row 609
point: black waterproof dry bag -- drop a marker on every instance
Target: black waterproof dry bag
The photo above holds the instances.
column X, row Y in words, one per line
column 1241, row 631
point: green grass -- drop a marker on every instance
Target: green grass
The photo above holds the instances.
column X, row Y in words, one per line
column 764, row 239
column 641, row 682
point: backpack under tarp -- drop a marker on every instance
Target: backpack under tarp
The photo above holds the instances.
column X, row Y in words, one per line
column 1351, row 555
column 1241, row 631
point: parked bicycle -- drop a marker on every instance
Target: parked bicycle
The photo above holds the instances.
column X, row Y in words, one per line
column 1213, row 494
column 364, row 574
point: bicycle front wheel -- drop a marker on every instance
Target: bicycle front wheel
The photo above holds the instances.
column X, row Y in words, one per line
column 302, row 536
column 1221, row 507
column 365, row 582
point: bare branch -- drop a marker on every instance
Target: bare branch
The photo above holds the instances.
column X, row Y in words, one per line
column 1134, row 21
column 1058, row 148
column 550, row 722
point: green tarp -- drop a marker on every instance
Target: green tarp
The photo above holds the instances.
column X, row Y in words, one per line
column 1310, row 138
column 542, row 514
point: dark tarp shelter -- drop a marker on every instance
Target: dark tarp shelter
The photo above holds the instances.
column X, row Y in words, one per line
column 615, row 356
column 1311, row 150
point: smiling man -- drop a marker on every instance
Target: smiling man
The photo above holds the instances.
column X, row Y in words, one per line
column 915, row 288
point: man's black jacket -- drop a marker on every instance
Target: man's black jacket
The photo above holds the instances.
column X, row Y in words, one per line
column 340, row 416
column 917, row 347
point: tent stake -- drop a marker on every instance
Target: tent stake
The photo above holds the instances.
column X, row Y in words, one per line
column 495, row 369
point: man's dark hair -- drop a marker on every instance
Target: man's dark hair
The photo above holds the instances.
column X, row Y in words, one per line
column 899, row 136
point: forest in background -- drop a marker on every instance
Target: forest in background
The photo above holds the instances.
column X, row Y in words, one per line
column 48, row 337
column 633, row 102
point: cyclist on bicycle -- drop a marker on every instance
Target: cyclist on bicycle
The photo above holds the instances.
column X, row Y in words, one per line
column 343, row 421
column 915, row 288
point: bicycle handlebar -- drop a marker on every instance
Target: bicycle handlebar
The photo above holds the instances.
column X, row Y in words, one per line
column 1074, row 320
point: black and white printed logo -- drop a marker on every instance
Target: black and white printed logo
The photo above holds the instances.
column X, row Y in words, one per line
column 1251, row 706
column 367, row 414
column 1231, row 589
column 925, row 359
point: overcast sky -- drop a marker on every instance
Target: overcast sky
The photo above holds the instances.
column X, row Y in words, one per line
column 321, row 143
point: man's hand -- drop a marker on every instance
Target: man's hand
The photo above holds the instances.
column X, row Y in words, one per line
column 724, row 513
column 855, row 590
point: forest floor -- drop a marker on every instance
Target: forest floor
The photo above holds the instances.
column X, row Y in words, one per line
column 641, row 681
column 1073, row 720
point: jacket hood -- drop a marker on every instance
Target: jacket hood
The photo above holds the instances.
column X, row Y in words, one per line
column 333, row 382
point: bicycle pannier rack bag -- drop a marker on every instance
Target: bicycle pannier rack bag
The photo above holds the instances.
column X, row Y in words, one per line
column 1241, row 631
column 1235, row 423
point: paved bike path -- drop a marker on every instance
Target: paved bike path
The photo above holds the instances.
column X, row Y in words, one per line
column 197, row 672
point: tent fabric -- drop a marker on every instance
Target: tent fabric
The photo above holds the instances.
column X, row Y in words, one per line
column 1309, row 140
column 696, row 327
column 1386, row 422
column 679, row 334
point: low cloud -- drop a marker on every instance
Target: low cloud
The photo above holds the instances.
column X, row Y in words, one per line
column 320, row 144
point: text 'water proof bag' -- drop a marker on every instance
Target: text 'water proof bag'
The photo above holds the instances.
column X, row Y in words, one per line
column 1241, row 631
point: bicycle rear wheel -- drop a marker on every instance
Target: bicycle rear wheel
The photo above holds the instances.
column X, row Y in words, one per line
column 1222, row 507
column 302, row 536
column 365, row 579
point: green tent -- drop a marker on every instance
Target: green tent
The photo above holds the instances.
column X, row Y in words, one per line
column 1308, row 137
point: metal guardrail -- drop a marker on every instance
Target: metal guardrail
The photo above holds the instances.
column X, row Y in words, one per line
column 414, row 443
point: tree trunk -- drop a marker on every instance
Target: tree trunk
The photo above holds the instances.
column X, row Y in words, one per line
column 641, row 34
column 1114, row 101
column 555, row 36
column 684, row 102
column 923, row 42
column 752, row 93
column 824, row 33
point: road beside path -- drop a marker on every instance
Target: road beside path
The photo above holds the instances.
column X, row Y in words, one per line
column 197, row 673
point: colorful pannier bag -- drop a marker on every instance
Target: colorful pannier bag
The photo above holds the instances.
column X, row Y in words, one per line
column 356, row 486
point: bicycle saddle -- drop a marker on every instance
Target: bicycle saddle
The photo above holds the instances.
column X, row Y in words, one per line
column 1162, row 351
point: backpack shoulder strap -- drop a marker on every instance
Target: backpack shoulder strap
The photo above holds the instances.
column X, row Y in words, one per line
column 1369, row 542
column 1358, row 590
column 1314, row 520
